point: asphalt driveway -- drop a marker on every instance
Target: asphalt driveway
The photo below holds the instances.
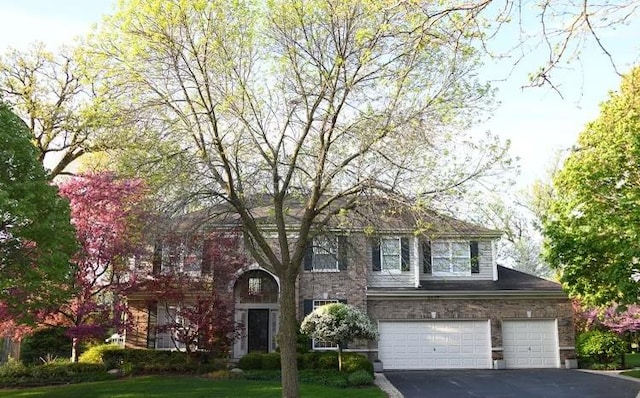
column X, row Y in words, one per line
column 530, row 383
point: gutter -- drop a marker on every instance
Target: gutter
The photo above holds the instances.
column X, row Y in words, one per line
column 419, row 294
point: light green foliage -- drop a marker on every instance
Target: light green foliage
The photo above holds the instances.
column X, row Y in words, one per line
column 592, row 221
column 604, row 347
column 317, row 100
column 36, row 236
column 338, row 323
column 52, row 93
column 95, row 354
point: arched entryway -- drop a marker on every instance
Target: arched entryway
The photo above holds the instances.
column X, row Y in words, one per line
column 256, row 303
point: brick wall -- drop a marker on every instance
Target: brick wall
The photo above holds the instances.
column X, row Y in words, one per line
column 349, row 284
column 495, row 309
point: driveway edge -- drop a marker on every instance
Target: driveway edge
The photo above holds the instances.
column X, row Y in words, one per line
column 383, row 383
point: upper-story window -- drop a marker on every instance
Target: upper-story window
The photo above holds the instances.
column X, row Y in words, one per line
column 327, row 253
column 451, row 258
column 182, row 255
column 390, row 254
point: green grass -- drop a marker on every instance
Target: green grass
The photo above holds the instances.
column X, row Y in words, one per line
column 631, row 373
column 632, row 360
column 186, row 387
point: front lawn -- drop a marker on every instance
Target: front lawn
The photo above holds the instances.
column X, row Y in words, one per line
column 186, row 387
column 632, row 360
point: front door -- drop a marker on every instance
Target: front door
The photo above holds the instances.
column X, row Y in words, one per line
column 258, row 330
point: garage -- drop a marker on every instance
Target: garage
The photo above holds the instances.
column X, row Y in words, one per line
column 435, row 344
column 531, row 343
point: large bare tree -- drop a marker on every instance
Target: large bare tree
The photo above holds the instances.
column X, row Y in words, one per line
column 55, row 98
column 320, row 102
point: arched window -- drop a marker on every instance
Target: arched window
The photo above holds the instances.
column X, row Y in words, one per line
column 256, row 287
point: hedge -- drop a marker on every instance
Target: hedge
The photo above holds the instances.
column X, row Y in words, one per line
column 328, row 360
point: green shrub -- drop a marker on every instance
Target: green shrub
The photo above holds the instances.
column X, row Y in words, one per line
column 252, row 361
column 14, row 369
column 51, row 342
column 360, row 378
column 353, row 362
column 271, row 361
column 308, row 360
column 95, row 354
column 603, row 347
column 18, row 375
column 327, row 360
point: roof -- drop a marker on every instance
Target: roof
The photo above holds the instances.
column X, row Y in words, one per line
column 510, row 283
column 376, row 216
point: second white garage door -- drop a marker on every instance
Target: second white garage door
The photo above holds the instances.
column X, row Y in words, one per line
column 530, row 343
column 435, row 345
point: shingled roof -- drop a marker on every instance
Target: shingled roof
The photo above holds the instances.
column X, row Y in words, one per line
column 378, row 216
column 510, row 283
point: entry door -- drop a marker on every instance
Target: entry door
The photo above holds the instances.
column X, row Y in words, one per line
column 258, row 330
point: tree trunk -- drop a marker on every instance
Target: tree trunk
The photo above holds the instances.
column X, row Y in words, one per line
column 288, row 339
column 74, row 349
column 340, row 357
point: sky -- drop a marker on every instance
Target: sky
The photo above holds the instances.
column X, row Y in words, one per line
column 537, row 121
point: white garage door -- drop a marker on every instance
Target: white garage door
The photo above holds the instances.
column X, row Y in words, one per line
column 435, row 345
column 530, row 343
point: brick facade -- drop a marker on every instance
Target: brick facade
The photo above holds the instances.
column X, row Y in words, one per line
column 496, row 309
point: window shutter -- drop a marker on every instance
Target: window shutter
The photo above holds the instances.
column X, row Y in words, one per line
column 157, row 258
column 404, row 250
column 152, row 322
column 343, row 257
column 426, row 257
column 308, row 257
column 475, row 258
column 307, row 307
column 375, row 255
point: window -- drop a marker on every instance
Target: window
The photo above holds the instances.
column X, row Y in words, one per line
column 325, row 253
column 255, row 286
column 319, row 344
column 390, row 254
column 169, row 327
column 453, row 257
column 183, row 255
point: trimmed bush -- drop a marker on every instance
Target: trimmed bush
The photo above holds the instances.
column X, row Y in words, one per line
column 271, row 361
column 252, row 361
column 327, row 360
column 603, row 347
column 134, row 361
column 95, row 354
column 16, row 374
column 354, row 362
column 360, row 378
column 51, row 342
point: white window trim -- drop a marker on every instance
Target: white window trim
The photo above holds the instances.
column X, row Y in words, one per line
column 184, row 251
column 317, row 246
column 316, row 304
column 164, row 340
column 393, row 271
column 450, row 258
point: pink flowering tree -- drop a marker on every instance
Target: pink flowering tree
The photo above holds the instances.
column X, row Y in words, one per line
column 191, row 289
column 108, row 214
column 338, row 324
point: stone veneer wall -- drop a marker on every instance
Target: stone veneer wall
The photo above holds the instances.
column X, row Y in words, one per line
column 495, row 309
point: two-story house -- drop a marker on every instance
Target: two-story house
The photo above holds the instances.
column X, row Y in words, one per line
column 437, row 294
